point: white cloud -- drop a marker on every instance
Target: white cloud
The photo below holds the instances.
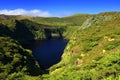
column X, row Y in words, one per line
column 64, row 14
column 34, row 12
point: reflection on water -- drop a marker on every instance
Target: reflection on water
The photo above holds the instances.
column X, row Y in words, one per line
column 50, row 52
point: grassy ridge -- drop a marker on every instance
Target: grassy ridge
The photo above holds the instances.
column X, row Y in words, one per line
column 93, row 52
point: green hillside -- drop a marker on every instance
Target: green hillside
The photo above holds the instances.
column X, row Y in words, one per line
column 93, row 52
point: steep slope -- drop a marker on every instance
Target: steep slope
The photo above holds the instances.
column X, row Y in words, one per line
column 15, row 61
column 93, row 52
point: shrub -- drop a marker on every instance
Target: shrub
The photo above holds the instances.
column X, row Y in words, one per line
column 111, row 45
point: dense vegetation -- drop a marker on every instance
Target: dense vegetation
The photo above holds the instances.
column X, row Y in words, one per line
column 14, row 60
column 93, row 52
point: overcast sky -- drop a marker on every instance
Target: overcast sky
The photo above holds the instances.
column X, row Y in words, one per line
column 48, row 8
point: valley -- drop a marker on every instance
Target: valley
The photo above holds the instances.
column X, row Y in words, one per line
column 77, row 47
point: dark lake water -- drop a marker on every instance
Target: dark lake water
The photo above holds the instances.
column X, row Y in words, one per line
column 49, row 52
